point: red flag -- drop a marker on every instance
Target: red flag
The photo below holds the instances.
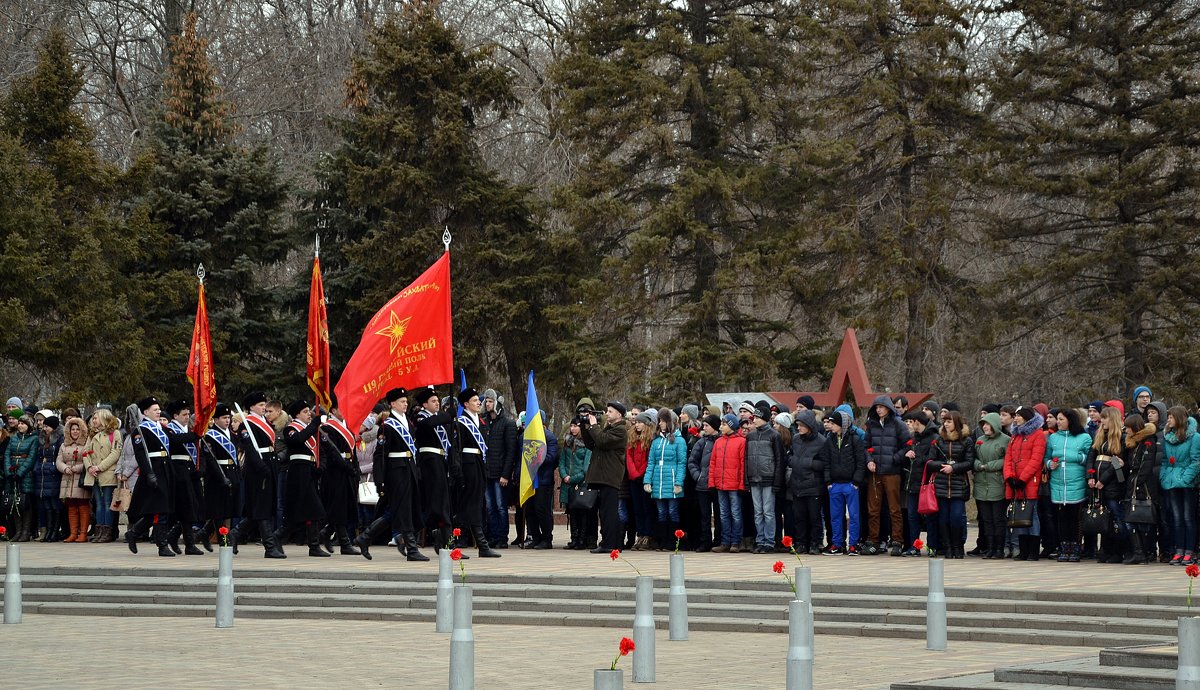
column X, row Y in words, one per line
column 200, row 370
column 318, row 338
column 408, row 343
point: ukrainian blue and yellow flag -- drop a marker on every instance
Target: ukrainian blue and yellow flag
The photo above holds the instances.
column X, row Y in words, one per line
column 533, row 445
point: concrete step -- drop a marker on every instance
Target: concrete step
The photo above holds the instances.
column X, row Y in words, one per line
column 500, row 613
column 621, row 591
column 427, row 572
column 1164, row 657
column 496, row 597
column 1089, row 673
column 974, row 681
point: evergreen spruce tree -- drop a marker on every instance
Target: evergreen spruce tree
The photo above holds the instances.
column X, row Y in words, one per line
column 1092, row 133
column 410, row 168
column 688, row 125
column 63, row 239
column 216, row 203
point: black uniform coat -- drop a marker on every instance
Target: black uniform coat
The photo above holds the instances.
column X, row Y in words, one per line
column 467, row 462
column 258, row 469
column 339, row 482
column 301, row 493
column 150, row 449
column 221, row 477
column 434, row 467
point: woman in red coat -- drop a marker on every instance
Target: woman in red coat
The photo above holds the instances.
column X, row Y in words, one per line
column 1023, row 471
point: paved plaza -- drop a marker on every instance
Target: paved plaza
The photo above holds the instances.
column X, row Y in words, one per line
column 48, row 651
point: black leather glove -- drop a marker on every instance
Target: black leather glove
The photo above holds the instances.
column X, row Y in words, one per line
column 228, row 484
column 153, row 479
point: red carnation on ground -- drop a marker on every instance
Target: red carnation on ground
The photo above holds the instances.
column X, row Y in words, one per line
column 918, row 544
column 615, row 554
column 778, row 567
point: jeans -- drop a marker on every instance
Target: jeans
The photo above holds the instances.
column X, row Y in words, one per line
column 950, row 516
column 843, row 498
column 730, row 503
column 918, row 522
column 1182, row 503
column 497, row 512
column 764, row 515
column 104, row 495
column 668, row 509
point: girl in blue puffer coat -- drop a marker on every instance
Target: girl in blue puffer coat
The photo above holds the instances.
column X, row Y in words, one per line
column 1178, row 467
column 1066, row 459
column 666, row 467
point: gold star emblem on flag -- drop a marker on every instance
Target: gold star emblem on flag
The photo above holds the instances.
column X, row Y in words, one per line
column 394, row 330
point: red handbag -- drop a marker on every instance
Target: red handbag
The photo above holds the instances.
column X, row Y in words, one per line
column 927, row 502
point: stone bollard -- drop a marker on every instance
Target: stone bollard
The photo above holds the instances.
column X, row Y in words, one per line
column 935, row 607
column 12, row 584
column 643, row 631
column 444, row 621
column 800, row 646
column 608, row 679
column 1187, row 675
column 677, row 601
column 225, row 587
column 462, row 642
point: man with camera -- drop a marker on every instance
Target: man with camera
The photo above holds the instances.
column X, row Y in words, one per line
column 607, row 469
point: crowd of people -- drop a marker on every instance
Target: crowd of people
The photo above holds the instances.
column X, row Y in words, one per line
column 1100, row 482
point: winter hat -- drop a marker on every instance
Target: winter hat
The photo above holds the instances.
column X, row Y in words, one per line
column 50, row 422
column 932, row 407
column 762, row 408
column 616, row 405
column 747, row 406
column 1096, row 405
column 842, row 420
column 691, row 411
column 1042, row 409
column 714, row 421
column 46, row 414
column 731, row 420
column 1026, row 413
column 644, row 418
column 806, row 401
column 489, row 393
column 653, row 416
column 952, row 406
column 784, row 419
column 714, row 410
column 990, row 408
column 1138, row 391
column 1120, row 406
column 15, row 402
column 296, row 407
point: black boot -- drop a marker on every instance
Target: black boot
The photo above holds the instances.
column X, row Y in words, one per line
column 189, row 541
column 1033, row 548
column 363, row 541
column 485, row 551
column 204, row 536
column 313, row 534
column 1136, row 554
column 437, row 536
column 956, row 545
column 327, row 535
column 135, row 531
column 235, row 535
column 161, row 536
column 173, row 537
column 347, row 546
column 271, row 543
column 1022, row 548
column 411, row 549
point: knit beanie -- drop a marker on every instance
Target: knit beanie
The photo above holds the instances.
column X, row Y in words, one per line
column 714, row 421
column 691, row 411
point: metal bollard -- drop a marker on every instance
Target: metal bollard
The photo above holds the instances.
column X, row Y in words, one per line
column 608, row 679
column 462, row 642
column 225, row 587
column 12, row 584
column 1187, row 675
column 800, row 646
column 677, row 611
column 804, row 584
column 643, row 631
column 935, row 607
column 444, row 621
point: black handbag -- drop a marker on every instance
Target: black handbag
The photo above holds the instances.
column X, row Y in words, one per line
column 13, row 502
column 1020, row 513
column 1096, row 518
column 1138, row 511
column 582, row 498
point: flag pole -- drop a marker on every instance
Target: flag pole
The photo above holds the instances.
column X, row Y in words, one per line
column 446, row 238
column 200, row 273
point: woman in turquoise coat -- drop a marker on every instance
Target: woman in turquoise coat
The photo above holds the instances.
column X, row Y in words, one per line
column 1178, row 466
column 1066, row 459
column 666, row 468
column 19, row 456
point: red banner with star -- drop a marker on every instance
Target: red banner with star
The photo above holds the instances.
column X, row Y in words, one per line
column 407, row 344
